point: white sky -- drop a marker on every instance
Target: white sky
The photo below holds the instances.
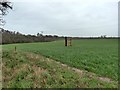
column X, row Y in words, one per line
column 64, row 17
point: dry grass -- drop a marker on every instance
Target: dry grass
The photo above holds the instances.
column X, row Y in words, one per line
column 46, row 72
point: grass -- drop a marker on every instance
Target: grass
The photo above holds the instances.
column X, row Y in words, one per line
column 98, row 56
column 29, row 70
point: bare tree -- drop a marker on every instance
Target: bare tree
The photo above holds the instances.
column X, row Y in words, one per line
column 4, row 6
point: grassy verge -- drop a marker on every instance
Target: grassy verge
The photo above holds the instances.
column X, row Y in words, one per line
column 26, row 70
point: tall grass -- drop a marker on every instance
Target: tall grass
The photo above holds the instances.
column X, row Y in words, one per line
column 98, row 56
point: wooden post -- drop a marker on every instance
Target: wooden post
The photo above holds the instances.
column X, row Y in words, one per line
column 65, row 41
column 15, row 48
column 15, row 53
column 70, row 41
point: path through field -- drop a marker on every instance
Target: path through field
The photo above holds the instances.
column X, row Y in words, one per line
column 25, row 70
column 80, row 72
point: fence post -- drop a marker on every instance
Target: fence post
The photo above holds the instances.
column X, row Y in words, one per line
column 65, row 41
column 15, row 48
column 70, row 41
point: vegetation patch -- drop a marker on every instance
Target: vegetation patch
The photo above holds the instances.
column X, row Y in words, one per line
column 99, row 56
column 46, row 73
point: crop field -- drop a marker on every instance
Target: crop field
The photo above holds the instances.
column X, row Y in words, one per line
column 98, row 56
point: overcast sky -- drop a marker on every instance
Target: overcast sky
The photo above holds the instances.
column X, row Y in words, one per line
column 64, row 17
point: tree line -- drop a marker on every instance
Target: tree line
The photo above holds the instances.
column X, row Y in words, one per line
column 9, row 37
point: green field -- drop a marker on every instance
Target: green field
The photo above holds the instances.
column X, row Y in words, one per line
column 93, row 55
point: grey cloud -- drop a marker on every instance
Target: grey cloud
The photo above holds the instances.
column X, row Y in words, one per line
column 64, row 18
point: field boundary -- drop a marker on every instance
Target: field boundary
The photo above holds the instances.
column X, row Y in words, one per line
column 79, row 71
column 82, row 72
